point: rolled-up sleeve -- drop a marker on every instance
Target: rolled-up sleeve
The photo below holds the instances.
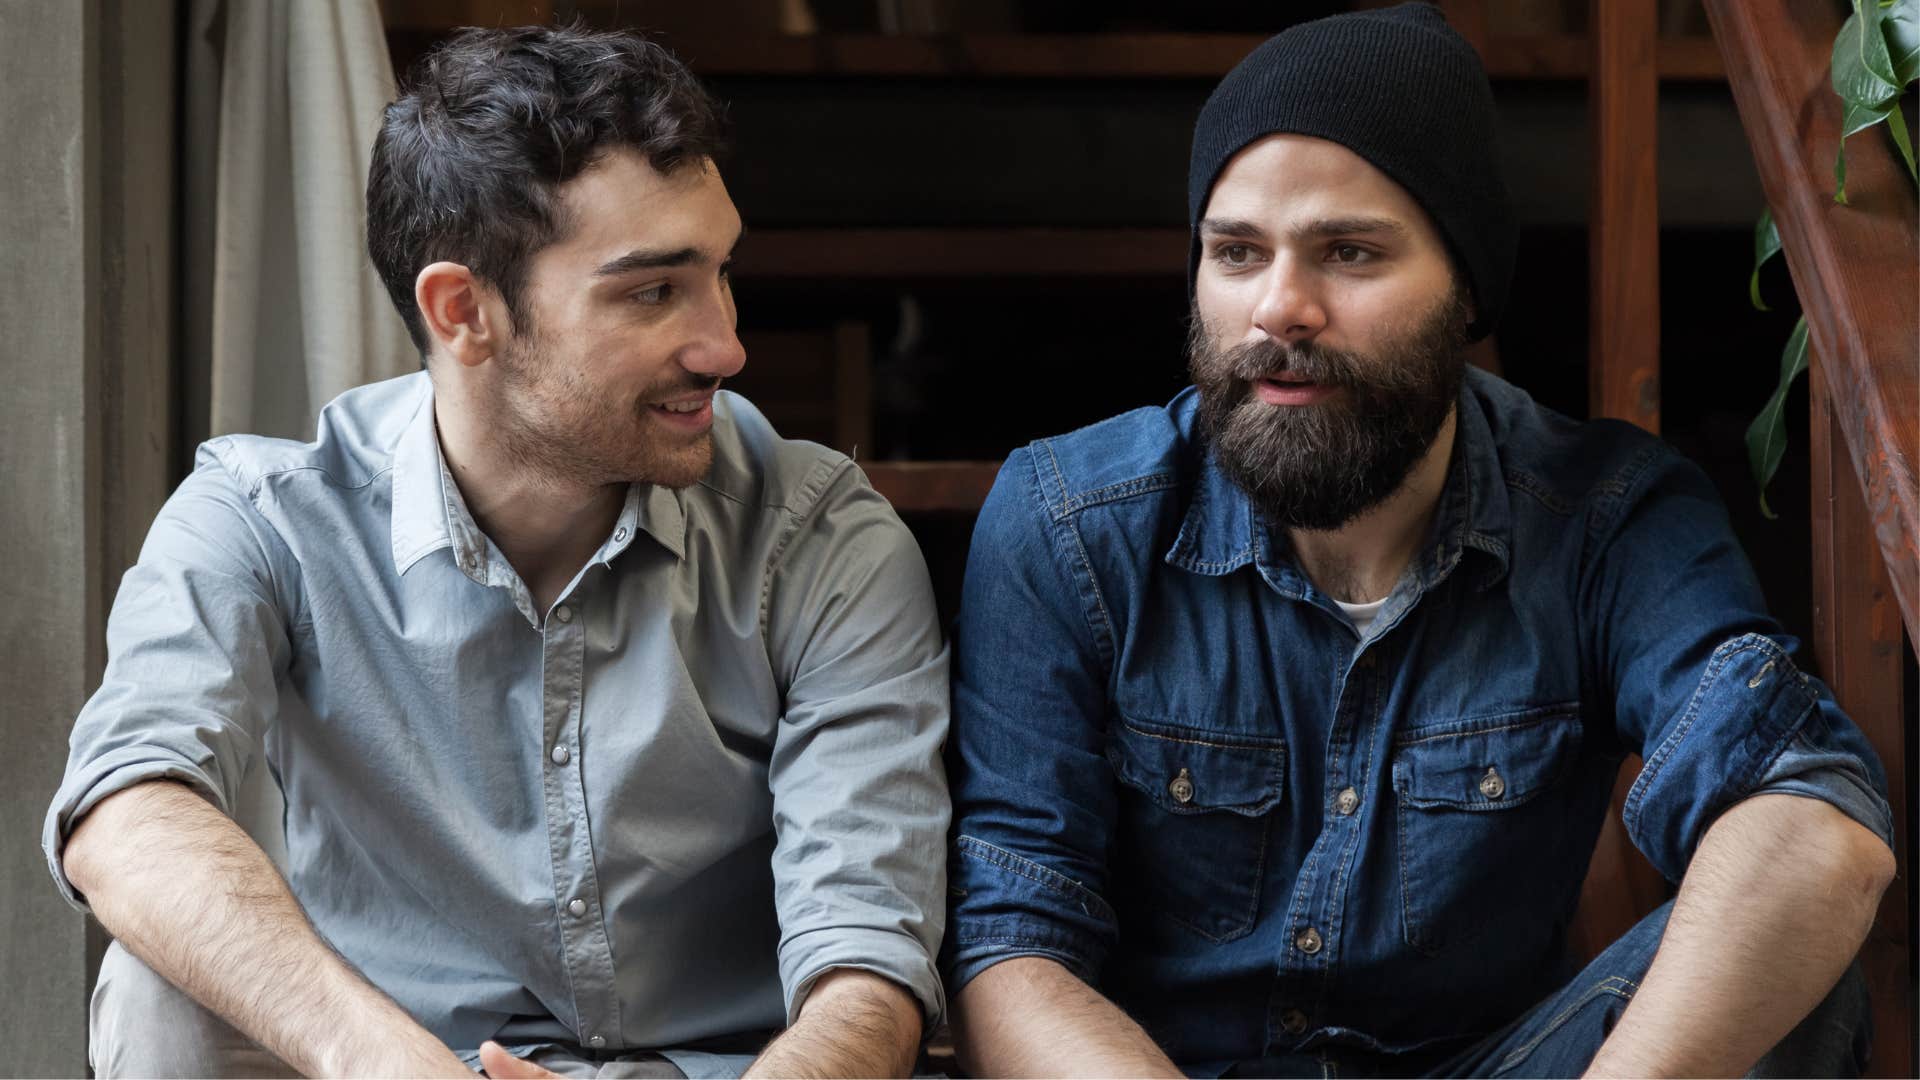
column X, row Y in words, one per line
column 1706, row 684
column 860, row 799
column 1034, row 797
column 195, row 644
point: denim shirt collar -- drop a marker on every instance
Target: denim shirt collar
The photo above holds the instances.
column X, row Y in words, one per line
column 429, row 512
column 1222, row 531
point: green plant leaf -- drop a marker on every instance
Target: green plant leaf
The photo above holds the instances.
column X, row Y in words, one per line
column 1897, row 123
column 1767, row 435
column 1766, row 244
column 1862, row 70
column 1857, row 118
column 1900, row 25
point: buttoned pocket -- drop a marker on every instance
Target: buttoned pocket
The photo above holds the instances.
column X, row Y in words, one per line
column 1478, row 815
column 1195, row 807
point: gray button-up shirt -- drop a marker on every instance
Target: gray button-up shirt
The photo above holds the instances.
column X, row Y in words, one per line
column 651, row 815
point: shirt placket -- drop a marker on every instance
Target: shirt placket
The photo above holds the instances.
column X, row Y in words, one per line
column 585, row 949
column 1315, row 919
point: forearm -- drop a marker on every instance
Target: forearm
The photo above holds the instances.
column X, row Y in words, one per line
column 1030, row 1016
column 853, row 1023
column 188, row 892
column 1775, row 904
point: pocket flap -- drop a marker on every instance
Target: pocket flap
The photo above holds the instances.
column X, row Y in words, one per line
column 1492, row 767
column 1185, row 771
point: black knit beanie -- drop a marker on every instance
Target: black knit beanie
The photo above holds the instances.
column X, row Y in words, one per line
column 1398, row 87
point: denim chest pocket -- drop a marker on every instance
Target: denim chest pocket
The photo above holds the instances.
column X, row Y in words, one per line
column 1478, row 816
column 1195, row 807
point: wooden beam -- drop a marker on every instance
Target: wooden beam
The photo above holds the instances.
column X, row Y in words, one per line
column 1857, row 641
column 1623, row 354
column 1854, row 267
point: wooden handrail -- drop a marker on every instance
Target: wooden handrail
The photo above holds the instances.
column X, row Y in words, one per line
column 1854, row 266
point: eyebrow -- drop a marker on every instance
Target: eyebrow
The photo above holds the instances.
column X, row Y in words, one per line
column 1320, row 228
column 658, row 258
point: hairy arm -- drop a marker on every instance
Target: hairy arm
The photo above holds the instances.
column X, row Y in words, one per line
column 1775, row 904
column 853, row 1023
column 1030, row 1016
column 190, row 893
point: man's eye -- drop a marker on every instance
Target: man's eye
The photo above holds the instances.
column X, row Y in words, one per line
column 1234, row 254
column 726, row 270
column 1350, row 253
column 656, row 295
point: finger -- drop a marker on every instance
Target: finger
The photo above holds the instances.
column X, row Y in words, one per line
column 501, row 1065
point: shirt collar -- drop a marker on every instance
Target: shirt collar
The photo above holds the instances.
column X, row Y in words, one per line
column 429, row 512
column 1222, row 532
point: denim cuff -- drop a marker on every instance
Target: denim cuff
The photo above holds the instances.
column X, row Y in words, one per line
column 1007, row 905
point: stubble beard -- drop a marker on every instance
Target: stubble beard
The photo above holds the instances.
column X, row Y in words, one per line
column 556, row 424
column 1321, row 466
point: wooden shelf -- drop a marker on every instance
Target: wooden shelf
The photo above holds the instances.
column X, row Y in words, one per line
column 933, row 486
column 962, row 253
column 1110, row 56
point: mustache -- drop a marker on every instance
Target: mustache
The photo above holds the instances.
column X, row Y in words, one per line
column 691, row 384
column 1252, row 361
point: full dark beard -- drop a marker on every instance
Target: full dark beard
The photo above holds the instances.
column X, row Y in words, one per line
column 1320, row 466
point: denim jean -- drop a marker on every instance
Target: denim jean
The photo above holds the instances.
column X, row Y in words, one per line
column 1560, row 1035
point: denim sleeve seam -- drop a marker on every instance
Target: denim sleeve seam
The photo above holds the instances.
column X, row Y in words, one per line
column 1722, row 657
column 1086, row 584
column 1045, row 876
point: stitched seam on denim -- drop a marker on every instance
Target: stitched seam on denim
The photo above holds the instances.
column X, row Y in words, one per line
column 1610, row 985
column 1084, row 582
column 1650, row 771
column 995, row 855
column 1279, row 745
column 1125, row 489
column 1610, row 495
column 1526, row 483
column 1057, row 512
column 1104, row 635
column 1540, row 716
column 1234, row 933
column 1407, row 922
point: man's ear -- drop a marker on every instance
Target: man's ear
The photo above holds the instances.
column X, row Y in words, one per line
column 462, row 316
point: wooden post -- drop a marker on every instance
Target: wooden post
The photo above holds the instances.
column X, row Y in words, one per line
column 1623, row 357
column 1858, row 642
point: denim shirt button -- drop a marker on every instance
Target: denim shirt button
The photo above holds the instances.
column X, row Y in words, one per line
column 1293, row 1021
column 1181, row 788
column 1491, row 785
column 1346, row 802
column 1307, row 941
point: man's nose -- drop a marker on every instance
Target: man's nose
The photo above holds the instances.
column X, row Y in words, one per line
column 1291, row 309
column 716, row 351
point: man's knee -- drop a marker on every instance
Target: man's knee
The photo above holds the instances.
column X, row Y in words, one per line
column 140, row 1024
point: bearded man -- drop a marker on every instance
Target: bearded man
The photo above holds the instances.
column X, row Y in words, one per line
column 608, row 721
column 1286, row 716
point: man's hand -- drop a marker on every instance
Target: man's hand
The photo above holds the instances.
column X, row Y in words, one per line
column 853, row 1023
column 1030, row 1016
column 1774, row 906
column 501, row 1065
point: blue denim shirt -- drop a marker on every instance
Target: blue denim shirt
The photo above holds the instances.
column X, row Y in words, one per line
column 1179, row 771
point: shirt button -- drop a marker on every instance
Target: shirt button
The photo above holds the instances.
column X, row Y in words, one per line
column 1181, row 788
column 1491, row 785
column 563, row 613
column 1347, row 801
column 1294, row 1021
column 619, row 534
column 561, row 755
column 597, row 1042
column 1307, row 941
column 577, row 907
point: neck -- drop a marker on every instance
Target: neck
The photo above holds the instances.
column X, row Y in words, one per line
column 1362, row 560
column 547, row 526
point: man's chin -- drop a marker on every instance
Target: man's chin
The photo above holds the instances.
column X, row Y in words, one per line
column 675, row 467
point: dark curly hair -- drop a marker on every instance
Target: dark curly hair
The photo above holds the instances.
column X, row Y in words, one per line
column 490, row 123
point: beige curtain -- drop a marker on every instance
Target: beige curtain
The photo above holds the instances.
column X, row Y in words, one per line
column 282, row 310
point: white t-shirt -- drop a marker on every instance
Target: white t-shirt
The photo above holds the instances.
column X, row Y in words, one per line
column 1361, row 615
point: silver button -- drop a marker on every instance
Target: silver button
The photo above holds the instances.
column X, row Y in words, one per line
column 1181, row 788
column 576, row 907
column 561, row 755
column 1307, row 941
column 1347, row 801
column 597, row 1042
column 1294, row 1021
column 563, row 613
column 619, row 534
column 1491, row 785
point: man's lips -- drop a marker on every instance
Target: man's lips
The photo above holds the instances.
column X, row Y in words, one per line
column 1286, row 389
column 693, row 413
